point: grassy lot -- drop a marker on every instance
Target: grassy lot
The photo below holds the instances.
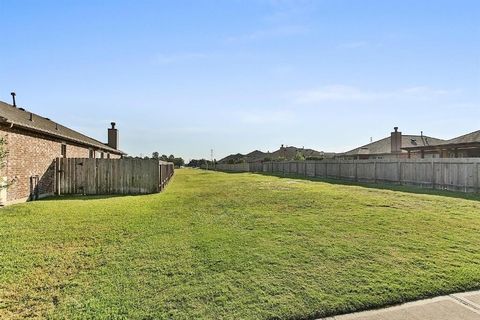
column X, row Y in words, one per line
column 245, row 246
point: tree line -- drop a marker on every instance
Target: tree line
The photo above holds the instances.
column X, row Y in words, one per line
column 177, row 161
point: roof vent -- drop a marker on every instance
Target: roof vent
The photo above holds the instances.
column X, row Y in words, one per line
column 21, row 109
column 31, row 116
column 13, row 98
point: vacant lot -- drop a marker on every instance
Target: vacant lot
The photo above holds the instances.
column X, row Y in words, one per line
column 245, row 246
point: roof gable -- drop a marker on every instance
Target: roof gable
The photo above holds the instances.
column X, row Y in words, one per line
column 466, row 138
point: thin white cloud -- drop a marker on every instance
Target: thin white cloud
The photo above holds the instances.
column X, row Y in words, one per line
column 343, row 93
column 262, row 117
column 423, row 90
column 284, row 18
column 336, row 93
column 275, row 32
column 354, row 45
column 164, row 59
column 287, row 10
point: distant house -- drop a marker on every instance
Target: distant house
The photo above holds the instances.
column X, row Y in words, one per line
column 466, row 146
column 392, row 147
column 33, row 142
column 284, row 153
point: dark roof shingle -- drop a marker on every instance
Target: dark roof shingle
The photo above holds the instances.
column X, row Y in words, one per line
column 471, row 137
column 383, row 146
column 33, row 122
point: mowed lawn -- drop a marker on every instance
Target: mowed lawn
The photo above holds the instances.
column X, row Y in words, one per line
column 234, row 246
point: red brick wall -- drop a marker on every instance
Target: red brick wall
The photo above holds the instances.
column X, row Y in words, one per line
column 31, row 155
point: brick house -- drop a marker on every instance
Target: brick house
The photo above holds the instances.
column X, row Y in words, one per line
column 33, row 142
column 392, row 147
column 465, row 146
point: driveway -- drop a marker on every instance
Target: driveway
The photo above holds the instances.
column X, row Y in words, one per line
column 461, row 306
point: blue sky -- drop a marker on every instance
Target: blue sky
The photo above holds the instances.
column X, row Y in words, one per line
column 184, row 77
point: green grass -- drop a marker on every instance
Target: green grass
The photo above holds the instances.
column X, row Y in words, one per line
column 243, row 246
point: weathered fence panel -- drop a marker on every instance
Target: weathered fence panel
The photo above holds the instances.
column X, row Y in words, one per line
column 237, row 167
column 456, row 174
column 90, row 176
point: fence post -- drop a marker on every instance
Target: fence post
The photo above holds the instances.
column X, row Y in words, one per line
column 57, row 176
column 96, row 175
column 375, row 171
column 477, row 175
column 400, row 172
column 355, row 163
column 433, row 174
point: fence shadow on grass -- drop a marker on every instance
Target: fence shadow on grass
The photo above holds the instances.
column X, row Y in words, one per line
column 89, row 197
column 383, row 186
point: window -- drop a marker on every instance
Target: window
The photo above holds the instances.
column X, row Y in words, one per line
column 64, row 150
column 102, row 155
column 91, row 153
column 108, row 155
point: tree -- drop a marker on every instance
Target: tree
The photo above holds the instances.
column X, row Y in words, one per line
column 299, row 156
column 178, row 162
column 194, row 163
column 155, row 155
column 314, row 158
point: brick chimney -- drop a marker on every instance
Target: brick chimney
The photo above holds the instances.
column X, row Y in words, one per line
column 396, row 141
column 113, row 137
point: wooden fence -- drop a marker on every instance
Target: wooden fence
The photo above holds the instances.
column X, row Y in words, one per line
column 459, row 174
column 91, row 176
column 237, row 167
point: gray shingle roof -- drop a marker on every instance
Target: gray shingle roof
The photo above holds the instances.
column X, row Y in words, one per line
column 287, row 152
column 383, row 146
column 471, row 137
column 466, row 139
column 21, row 118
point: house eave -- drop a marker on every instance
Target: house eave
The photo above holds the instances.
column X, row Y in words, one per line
column 59, row 136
